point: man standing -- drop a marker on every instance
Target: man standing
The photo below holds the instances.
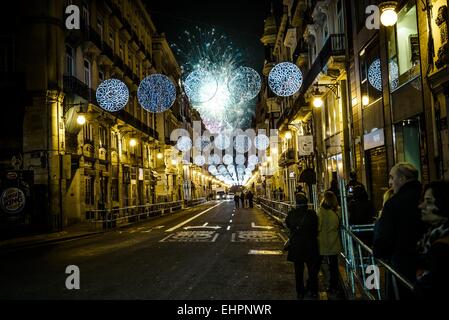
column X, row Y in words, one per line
column 250, row 199
column 398, row 229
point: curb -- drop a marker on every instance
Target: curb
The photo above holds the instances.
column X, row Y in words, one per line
column 31, row 244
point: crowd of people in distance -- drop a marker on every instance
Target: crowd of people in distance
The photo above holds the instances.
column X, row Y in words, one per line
column 244, row 199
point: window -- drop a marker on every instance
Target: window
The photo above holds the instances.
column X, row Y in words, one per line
column 102, row 132
column 87, row 73
column 340, row 18
column 86, row 16
column 88, row 132
column 100, row 28
column 114, row 184
column 69, row 61
column 370, row 73
column 114, row 141
column 89, row 190
column 6, row 54
column 112, row 40
column 101, row 76
column 403, row 47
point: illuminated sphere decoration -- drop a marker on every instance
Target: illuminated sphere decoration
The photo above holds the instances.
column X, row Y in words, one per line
column 214, row 159
column 394, row 74
column 184, row 144
column 203, row 143
column 262, row 142
column 200, row 86
column 112, row 95
column 244, row 84
column 253, row 161
column 242, row 143
column 222, row 142
column 240, row 159
column 156, row 93
column 228, row 159
column 200, row 161
column 285, row 79
column 374, row 75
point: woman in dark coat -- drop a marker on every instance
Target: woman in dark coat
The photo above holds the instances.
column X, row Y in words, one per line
column 433, row 248
column 303, row 250
column 361, row 212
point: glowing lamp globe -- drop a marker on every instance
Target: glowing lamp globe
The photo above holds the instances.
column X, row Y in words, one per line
column 388, row 16
column 81, row 120
column 318, row 102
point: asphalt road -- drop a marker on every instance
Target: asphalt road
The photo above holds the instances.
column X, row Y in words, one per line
column 211, row 252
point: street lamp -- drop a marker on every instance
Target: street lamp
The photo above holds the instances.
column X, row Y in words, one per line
column 288, row 135
column 318, row 102
column 365, row 100
column 81, row 119
column 133, row 142
column 388, row 16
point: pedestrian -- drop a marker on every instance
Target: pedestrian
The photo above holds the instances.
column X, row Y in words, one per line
column 398, row 229
column 236, row 201
column 433, row 248
column 335, row 190
column 361, row 212
column 303, row 250
column 242, row 199
column 329, row 237
column 352, row 183
column 250, row 199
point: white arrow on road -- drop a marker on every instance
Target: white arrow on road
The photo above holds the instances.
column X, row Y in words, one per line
column 253, row 225
column 205, row 226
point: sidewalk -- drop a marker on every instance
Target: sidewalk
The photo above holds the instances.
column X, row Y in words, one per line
column 69, row 233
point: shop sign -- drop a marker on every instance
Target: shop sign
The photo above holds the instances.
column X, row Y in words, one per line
column 12, row 201
column 374, row 139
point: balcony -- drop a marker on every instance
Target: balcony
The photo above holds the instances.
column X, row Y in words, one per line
column 74, row 86
column 287, row 158
column 132, row 121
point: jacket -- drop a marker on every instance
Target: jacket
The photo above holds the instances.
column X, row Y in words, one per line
column 303, row 226
column 398, row 230
column 329, row 232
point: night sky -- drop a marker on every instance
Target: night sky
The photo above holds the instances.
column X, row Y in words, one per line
column 241, row 20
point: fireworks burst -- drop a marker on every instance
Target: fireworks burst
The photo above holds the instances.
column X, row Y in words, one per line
column 211, row 66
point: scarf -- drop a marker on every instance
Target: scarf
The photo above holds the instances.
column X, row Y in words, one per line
column 433, row 234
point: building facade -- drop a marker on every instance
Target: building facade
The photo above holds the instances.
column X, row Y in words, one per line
column 109, row 160
column 370, row 98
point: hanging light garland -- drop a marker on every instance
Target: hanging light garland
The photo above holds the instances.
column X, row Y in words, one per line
column 285, row 79
column 156, row 93
column 112, row 95
column 244, row 85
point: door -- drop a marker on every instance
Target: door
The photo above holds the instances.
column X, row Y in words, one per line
column 377, row 175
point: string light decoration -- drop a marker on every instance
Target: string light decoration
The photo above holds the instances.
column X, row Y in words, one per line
column 200, row 86
column 240, row 159
column 200, row 161
column 253, row 161
column 203, row 143
column 262, row 142
column 112, row 95
column 244, row 84
column 214, row 159
column 242, row 143
column 184, row 144
column 228, row 159
column 212, row 169
column 374, row 75
column 394, row 74
column 222, row 142
column 156, row 93
column 285, row 79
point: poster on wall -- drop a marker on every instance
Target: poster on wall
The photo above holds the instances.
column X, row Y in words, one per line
column 305, row 145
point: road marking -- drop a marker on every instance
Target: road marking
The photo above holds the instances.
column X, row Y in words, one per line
column 253, row 225
column 230, row 221
column 266, row 252
column 159, row 227
column 202, row 227
column 229, row 228
column 191, row 219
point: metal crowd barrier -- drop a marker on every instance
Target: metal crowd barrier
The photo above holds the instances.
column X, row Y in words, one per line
column 365, row 275
column 111, row 218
